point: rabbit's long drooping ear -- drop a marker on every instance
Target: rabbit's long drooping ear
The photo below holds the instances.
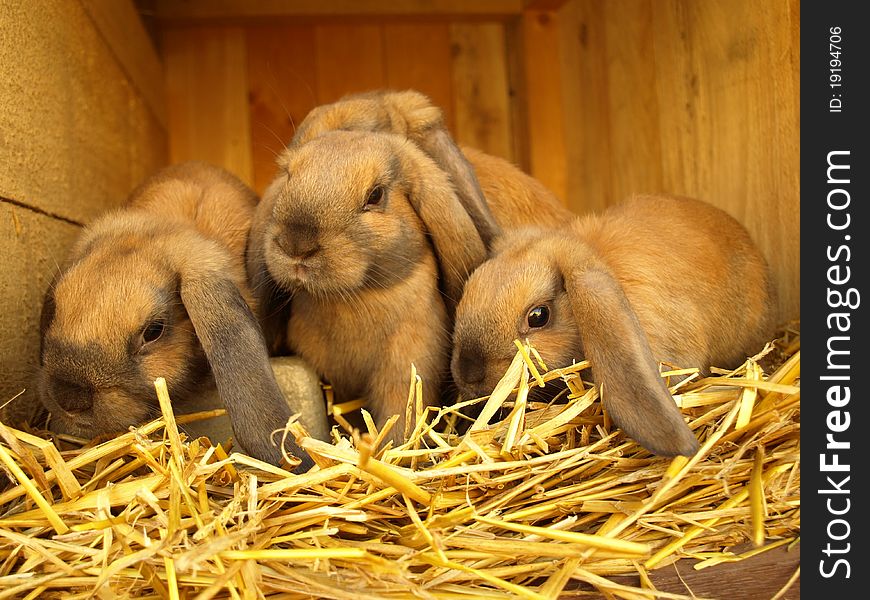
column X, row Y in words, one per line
column 424, row 123
column 622, row 363
column 235, row 348
column 455, row 239
column 438, row 144
column 411, row 114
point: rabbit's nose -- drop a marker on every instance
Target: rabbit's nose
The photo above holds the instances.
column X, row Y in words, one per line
column 72, row 397
column 299, row 241
column 471, row 366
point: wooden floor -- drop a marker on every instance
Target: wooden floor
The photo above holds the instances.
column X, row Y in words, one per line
column 759, row 578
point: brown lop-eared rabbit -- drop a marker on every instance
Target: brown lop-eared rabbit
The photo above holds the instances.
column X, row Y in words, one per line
column 653, row 279
column 361, row 245
column 158, row 288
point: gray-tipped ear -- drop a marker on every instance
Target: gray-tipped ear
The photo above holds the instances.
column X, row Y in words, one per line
column 454, row 237
column 236, row 351
column 438, row 144
column 623, row 365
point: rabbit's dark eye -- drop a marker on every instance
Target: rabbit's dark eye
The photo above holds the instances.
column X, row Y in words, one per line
column 375, row 196
column 538, row 317
column 153, row 331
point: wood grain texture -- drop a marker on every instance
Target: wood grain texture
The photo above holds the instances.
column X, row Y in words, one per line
column 635, row 139
column 548, row 5
column 417, row 56
column 147, row 146
column 588, row 176
column 761, row 577
column 349, row 58
column 480, row 84
column 730, row 132
column 518, row 92
column 544, row 100
column 198, row 10
column 207, row 97
column 282, row 84
column 694, row 98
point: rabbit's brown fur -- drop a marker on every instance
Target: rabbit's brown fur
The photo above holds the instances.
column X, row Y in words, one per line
column 158, row 288
column 515, row 198
column 653, row 279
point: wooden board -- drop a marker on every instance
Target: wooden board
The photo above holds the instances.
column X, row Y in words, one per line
column 349, row 58
column 761, row 577
column 282, row 70
column 282, row 88
column 771, row 574
column 206, row 92
column 480, row 80
column 588, row 176
column 198, row 10
column 692, row 98
column 635, row 140
column 730, row 131
column 544, row 101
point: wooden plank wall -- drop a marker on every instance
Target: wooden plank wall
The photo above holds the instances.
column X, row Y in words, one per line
column 699, row 98
column 598, row 100
column 82, row 121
